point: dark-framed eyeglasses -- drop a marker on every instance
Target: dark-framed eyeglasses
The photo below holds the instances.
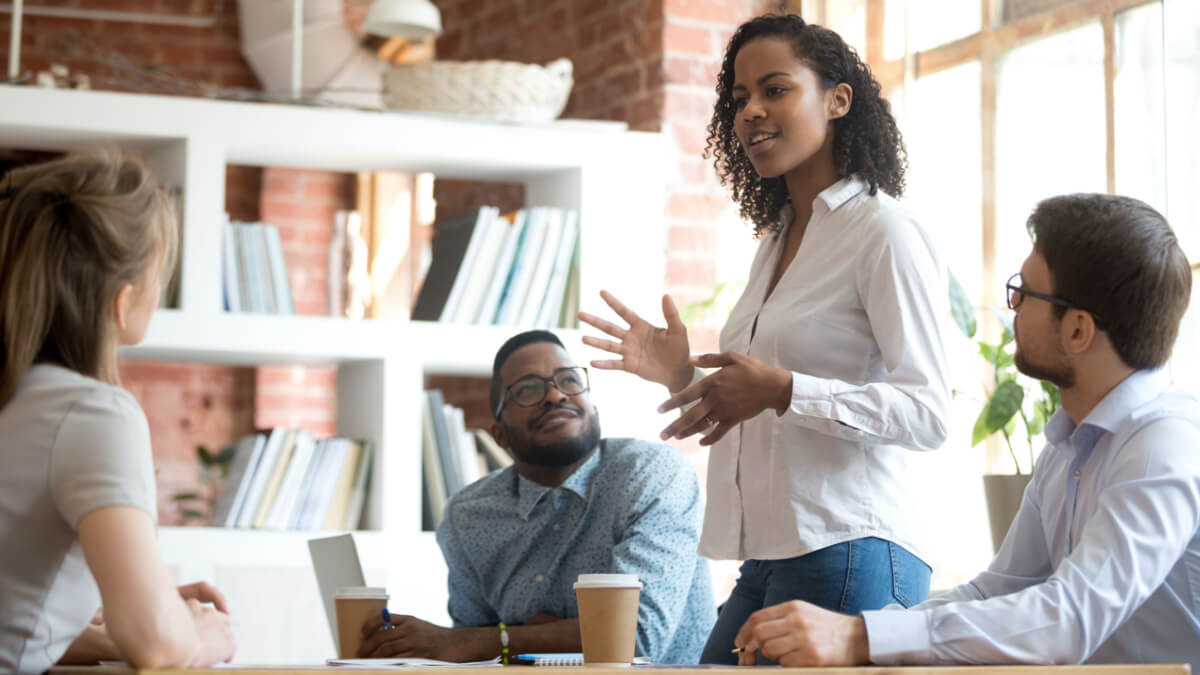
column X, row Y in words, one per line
column 530, row 390
column 1017, row 292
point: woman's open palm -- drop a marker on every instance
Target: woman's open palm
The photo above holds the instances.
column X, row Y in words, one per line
column 652, row 353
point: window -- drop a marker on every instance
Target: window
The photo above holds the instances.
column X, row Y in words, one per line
column 1049, row 130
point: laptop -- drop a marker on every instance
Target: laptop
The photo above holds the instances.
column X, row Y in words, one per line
column 335, row 561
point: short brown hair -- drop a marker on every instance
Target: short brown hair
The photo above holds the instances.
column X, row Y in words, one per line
column 73, row 233
column 1117, row 258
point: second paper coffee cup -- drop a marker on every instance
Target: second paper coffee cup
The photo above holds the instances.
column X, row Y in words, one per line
column 354, row 605
column 608, row 613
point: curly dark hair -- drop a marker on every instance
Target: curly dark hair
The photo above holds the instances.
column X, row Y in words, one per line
column 866, row 140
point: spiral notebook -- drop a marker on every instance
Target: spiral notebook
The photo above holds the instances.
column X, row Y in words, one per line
column 561, row 659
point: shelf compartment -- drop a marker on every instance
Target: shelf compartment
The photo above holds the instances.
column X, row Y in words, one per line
column 264, row 339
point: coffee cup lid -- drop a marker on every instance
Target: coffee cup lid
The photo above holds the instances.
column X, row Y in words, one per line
column 608, row 581
column 361, row 592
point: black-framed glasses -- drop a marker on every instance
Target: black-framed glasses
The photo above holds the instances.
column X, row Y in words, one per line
column 1017, row 292
column 530, row 390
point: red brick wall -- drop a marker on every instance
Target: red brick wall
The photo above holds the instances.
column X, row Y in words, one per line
column 188, row 405
column 614, row 45
column 210, row 55
column 695, row 35
column 302, row 204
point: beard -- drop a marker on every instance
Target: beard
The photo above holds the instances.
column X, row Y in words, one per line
column 1062, row 375
column 556, row 455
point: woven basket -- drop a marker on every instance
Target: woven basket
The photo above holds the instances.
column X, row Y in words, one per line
column 503, row 90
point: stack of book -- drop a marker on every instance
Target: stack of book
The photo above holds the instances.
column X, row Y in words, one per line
column 517, row 269
column 286, row 479
column 255, row 274
column 452, row 455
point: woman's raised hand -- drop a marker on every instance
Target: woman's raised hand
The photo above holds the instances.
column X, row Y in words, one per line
column 652, row 353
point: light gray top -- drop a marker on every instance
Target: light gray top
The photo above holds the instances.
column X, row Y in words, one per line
column 71, row 444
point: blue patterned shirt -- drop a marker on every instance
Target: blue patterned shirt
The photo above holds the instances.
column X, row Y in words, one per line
column 515, row 547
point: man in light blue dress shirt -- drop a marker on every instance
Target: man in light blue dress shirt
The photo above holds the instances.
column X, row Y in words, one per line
column 1102, row 563
column 571, row 503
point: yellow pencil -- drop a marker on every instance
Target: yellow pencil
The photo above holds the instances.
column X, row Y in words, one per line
column 738, row 650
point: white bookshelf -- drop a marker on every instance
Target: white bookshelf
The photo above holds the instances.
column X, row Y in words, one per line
column 613, row 177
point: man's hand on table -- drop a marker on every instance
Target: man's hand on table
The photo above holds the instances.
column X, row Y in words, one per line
column 797, row 633
column 412, row 637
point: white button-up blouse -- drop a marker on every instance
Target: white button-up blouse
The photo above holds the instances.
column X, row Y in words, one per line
column 856, row 318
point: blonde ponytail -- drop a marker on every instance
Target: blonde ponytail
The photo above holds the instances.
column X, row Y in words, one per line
column 73, row 233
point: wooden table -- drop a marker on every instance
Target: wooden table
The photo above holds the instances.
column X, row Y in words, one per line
column 1174, row 669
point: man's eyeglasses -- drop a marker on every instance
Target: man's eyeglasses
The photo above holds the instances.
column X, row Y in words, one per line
column 530, row 390
column 1017, row 293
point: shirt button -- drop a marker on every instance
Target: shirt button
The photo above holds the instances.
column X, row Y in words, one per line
column 556, row 527
column 539, row 578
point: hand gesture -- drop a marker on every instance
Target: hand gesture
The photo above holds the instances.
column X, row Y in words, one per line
column 797, row 633
column 652, row 353
column 741, row 388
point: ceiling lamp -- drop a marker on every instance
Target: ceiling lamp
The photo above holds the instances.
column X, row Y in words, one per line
column 411, row 19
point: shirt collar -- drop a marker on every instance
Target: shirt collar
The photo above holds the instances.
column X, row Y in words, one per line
column 832, row 197
column 841, row 192
column 530, row 493
column 1135, row 390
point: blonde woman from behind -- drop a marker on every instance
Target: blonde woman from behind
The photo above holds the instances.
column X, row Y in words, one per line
column 84, row 242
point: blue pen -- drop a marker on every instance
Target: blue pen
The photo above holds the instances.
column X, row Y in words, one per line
column 387, row 620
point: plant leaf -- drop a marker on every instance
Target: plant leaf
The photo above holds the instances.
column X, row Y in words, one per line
column 999, row 411
column 960, row 307
column 988, row 352
column 1004, row 404
column 205, row 456
column 1004, row 359
column 1053, row 396
column 1037, row 423
column 1005, row 319
column 226, row 456
column 980, row 432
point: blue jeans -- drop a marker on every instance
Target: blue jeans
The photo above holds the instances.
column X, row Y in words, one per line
column 849, row 578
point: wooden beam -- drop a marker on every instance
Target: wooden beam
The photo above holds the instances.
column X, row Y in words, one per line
column 889, row 74
column 1002, row 38
column 996, row 453
column 875, row 21
column 1108, row 22
column 949, row 55
column 1063, row 18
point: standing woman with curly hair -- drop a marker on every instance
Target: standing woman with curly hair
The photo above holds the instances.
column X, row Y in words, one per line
column 832, row 369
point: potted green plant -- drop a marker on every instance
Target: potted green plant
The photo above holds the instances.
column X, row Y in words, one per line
column 196, row 507
column 1014, row 405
